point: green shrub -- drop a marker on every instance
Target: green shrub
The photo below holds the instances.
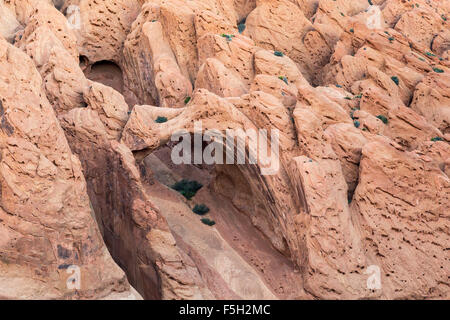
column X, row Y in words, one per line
column 383, row 118
column 187, row 100
column 438, row 70
column 437, row 139
column 352, row 30
column 357, row 124
column 338, row 86
column 208, row 222
column 348, row 98
column 161, row 120
column 370, row 2
column 391, row 39
column 241, row 27
column 187, row 188
column 444, row 17
column 284, row 79
column 396, row 80
column 430, row 54
column 278, row 53
column 200, row 209
column 229, row 37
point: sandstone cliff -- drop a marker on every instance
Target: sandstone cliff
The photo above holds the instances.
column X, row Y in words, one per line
column 91, row 93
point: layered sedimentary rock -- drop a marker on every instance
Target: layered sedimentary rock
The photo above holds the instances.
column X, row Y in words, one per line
column 93, row 116
column 356, row 92
column 47, row 224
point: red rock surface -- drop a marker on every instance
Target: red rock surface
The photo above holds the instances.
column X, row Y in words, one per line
column 359, row 91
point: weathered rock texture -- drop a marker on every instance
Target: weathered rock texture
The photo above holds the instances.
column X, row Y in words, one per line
column 359, row 92
column 47, row 223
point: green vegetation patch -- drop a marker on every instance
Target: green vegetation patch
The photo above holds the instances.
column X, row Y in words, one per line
column 187, row 188
column 284, row 79
column 396, row 80
column 200, row 209
column 279, row 54
column 208, row 222
column 383, row 118
column 229, row 37
column 161, row 120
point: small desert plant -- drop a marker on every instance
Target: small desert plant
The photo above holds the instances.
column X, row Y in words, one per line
column 229, row 37
column 284, row 79
column 396, row 80
column 438, row 70
column 187, row 100
column 187, row 188
column 200, row 209
column 430, row 54
column 348, row 98
column 241, row 27
column 437, row 139
column 278, row 53
column 208, row 222
column 383, row 118
column 370, row 2
column 357, row 124
column 161, row 120
column 352, row 30
column 391, row 39
column 338, row 86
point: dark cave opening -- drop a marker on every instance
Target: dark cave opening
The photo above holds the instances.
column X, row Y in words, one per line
column 105, row 72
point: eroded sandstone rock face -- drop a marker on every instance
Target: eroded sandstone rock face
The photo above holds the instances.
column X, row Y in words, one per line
column 91, row 93
column 93, row 116
column 47, row 224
